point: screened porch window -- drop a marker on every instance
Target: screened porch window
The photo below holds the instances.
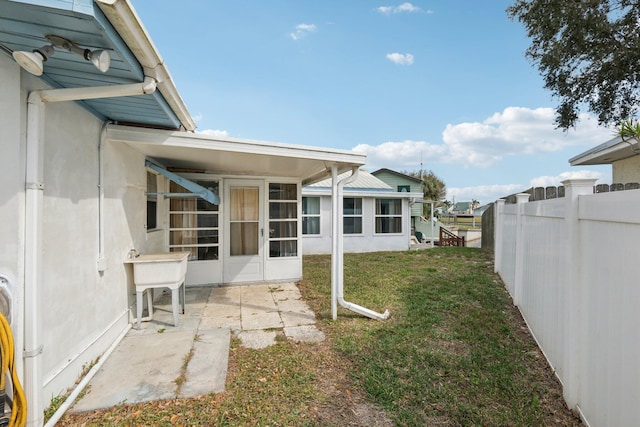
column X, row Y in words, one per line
column 283, row 220
column 352, row 215
column 311, row 215
column 388, row 216
column 194, row 224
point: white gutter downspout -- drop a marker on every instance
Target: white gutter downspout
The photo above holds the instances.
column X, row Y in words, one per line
column 34, row 196
column 337, row 254
column 101, row 262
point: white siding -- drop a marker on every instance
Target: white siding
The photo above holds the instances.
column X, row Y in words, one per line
column 368, row 241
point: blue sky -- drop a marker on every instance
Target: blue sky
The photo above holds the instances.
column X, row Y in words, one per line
column 445, row 83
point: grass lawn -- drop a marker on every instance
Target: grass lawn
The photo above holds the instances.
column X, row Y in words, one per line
column 454, row 352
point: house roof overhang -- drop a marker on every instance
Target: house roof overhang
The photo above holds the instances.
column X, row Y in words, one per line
column 401, row 175
column 606, row 153
column 234, row 156
column 112, row 25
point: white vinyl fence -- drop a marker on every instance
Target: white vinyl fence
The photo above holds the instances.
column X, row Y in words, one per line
column 572, row 266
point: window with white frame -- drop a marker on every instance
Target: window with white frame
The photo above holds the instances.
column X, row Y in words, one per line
column 152, row 201
column 283, row 220
column 388, row 216
column 352, row 215
column 311, row 216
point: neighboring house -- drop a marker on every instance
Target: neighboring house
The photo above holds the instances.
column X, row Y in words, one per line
column 461, row 208
column 375, row 217
column 623, row 156
column 89, row 172
column 401, row 183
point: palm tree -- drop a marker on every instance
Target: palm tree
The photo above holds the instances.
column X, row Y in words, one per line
column 433, row 188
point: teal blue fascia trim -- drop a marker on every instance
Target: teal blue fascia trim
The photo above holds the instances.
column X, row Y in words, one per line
column 111, row 34
column 196, row 189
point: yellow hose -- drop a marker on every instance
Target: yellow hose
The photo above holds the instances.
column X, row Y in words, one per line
column 19, row 407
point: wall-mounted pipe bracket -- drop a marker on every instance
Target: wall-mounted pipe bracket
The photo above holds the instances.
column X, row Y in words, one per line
column 33, row 353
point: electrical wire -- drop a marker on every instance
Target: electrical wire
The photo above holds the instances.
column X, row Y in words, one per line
column 19, row 404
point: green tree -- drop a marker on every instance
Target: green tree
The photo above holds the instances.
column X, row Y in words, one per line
column 433, row 188
column 588, row 53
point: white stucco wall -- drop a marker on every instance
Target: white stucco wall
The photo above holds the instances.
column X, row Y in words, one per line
column 627, row 170
column 82, row 308
column 12, row 188
column 368, row 241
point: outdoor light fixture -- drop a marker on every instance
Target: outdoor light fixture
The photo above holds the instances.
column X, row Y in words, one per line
column 33, row 61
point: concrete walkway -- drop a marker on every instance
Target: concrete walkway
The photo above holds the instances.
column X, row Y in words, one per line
column 161, row 361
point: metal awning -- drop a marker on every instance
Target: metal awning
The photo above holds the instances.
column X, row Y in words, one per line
column 194, row 189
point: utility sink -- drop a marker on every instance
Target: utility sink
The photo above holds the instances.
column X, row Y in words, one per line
column 159, row 270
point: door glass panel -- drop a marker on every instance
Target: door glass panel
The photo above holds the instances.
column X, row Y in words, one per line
column 244, row 238
column 244, row 211
column 244, row 204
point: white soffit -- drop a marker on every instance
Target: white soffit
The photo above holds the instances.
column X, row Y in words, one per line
column 232, row 156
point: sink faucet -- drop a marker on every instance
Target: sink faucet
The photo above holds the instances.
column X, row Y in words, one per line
column 133, row 254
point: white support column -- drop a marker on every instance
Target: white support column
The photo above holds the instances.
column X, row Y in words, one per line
column 334, row 241
column 574, row 339
column 521, row 199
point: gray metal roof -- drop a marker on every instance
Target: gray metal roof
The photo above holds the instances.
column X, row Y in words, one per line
column 364, row 181
column 111, row 25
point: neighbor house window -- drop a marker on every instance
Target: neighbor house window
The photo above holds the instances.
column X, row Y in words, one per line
column 388, row 216
column 283, row 220
column 311, row 215
column 152, row 201
column 404, row 188
column 352, row 215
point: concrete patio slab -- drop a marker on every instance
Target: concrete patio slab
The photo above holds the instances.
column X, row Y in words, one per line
column 207, row 369
column 147, row 362
column 305, row 333
column 131, row 375
column 259, row 310
column 257, row 339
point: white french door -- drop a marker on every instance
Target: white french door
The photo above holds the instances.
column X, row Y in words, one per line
column 244, row 242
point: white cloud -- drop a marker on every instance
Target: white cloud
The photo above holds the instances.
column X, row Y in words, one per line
column 517, row 131
column 400, row 58
column 483, row 193
column 489, row 193
column 214, row 132
column 554, row 181
column 404, row 7
column 514, row 131
column 302, row 30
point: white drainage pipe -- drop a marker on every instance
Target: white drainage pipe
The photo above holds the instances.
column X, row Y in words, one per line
column 337, row 255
